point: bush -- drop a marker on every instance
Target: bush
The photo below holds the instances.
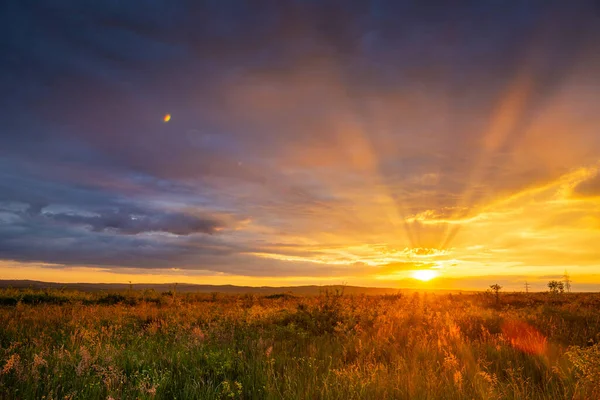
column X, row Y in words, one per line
column 586, row 362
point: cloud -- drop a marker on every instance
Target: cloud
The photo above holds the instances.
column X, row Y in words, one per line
column 396, row 267
column 589, row 187
column 131, row 224
column 305, row 138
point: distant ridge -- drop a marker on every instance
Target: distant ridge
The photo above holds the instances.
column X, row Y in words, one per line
column 190, row 287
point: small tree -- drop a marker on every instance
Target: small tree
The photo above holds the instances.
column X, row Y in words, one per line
column 556, row 287
column 496, row 290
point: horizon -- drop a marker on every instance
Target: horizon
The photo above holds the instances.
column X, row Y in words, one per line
column 375, row 144
column 421, row 288
column 539, row 287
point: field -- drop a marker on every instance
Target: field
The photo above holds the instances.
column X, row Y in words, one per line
column 61, row 344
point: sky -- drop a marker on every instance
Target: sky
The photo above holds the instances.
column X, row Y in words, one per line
column 309, row 142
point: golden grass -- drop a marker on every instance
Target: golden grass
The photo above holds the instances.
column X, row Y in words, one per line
column 72, row 345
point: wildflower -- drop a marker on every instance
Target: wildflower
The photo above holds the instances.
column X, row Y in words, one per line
column 450, row 361
column 238, row 386
column 13, row 363
column 85, row 361
column 489, row 378
column 198, row 334
column 38, row 360
column 458, row 378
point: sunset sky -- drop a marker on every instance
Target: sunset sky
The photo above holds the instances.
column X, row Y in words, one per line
column 301, row 142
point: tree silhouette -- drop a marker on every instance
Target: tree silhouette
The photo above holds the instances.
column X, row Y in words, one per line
column 556, row 287
column 496, row 289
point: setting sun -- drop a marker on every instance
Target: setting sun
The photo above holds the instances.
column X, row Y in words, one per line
column 424, row 274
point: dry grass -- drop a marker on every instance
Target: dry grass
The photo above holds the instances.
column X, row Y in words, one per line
column 72, row 345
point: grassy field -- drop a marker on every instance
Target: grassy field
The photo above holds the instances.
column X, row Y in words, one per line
column 128, row 345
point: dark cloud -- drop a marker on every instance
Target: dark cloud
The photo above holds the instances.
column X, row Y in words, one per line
column 297, row 116
column 123, row 222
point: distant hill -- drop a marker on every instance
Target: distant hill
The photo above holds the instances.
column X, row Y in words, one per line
column 188, row 288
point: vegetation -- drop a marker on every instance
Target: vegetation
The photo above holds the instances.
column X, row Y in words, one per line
column 556, row 287
column 496, row 290
column 143, row 344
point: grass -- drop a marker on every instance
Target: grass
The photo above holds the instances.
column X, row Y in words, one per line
column 73, row 345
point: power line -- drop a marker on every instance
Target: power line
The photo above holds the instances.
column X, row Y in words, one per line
column 567, row 281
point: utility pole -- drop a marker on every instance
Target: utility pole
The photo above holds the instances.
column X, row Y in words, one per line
column 567, row 281
column 526, row 287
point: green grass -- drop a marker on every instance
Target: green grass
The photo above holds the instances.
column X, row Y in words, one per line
column 128, row 345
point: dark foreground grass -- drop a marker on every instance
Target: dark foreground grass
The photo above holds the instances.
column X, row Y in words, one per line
column 73, row 345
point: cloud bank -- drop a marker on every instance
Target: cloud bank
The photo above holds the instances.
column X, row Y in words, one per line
column 306, row 139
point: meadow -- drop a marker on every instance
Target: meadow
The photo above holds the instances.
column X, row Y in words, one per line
column 61, row 344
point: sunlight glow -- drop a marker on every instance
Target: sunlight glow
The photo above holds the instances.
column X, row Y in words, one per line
column 424, row 274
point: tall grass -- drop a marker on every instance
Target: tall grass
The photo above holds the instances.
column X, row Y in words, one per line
column 129, row 345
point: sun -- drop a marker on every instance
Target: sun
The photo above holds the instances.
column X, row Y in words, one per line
column 424, row 274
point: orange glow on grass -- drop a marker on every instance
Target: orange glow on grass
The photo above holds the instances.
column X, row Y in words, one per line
column 524, row 337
